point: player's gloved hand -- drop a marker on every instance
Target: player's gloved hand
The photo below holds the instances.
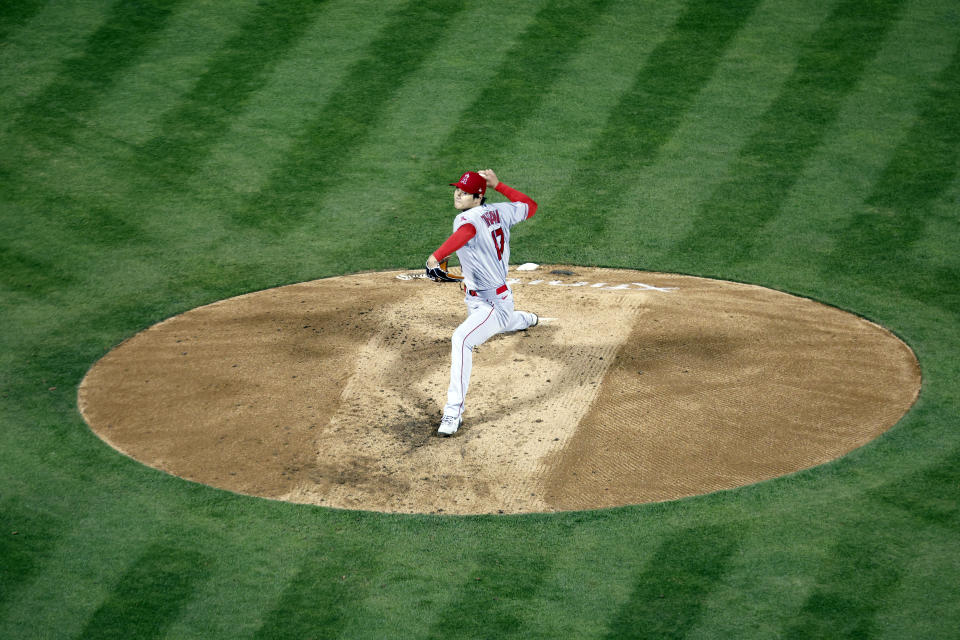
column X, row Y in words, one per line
column 439, row 272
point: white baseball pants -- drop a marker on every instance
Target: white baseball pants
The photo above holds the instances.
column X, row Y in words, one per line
column 490, row 313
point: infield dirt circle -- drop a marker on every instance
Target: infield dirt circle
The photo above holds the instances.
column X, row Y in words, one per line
column 637, row 387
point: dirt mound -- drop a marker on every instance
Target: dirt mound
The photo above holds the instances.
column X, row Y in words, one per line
column 639, row 387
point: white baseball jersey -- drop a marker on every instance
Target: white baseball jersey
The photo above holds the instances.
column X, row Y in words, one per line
column 485, row 257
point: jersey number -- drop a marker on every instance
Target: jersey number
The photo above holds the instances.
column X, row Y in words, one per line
column 499, row 241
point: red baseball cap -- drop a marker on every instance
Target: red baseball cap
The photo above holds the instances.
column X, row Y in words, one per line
column 471, row 182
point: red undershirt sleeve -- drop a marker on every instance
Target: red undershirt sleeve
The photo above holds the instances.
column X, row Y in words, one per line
column 456, row 241
column 515, row 196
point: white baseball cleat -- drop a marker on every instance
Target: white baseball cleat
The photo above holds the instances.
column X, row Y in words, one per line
column 449, row 425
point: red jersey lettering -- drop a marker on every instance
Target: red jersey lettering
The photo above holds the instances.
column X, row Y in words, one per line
column 491, row 217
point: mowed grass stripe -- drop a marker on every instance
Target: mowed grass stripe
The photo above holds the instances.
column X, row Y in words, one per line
column 861, row 571
column 313, row 164
column 534, row 62
column 496, row 598
column 83, row 194
column 93, row 545
column 81, row 219
column 245, row 576
column 93, row 205
column 924, row 604
column 572, row 110
column 648, row 113
column 74, row 200
column 131, row 111
column 655, row 205
column 928, row 492
column 80, row 194
column 583, row 586
column 27, row 271
column 876, row 247
column 92, row 200
column 543, row 156
column 420, row 581
column 28, row 535
column 667, row 598
column 414, row 126
column 872, row 122
column 147, row 598
column 14, row 14
column 531, row 63
column 488, row 126
column 788, row 133
column 239, row 69
column 241, row 162
column 938, row 258
column 321, row 600
column 33, row 53
column 113, row 47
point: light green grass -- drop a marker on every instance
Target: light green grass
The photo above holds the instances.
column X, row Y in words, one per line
column 156, row 156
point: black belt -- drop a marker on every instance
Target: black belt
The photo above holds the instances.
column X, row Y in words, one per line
column 500, row 290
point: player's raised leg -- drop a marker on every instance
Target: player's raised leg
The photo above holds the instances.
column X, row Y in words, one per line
column 520, row 320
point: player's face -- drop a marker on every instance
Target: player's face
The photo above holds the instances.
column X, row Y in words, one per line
column 463, row 200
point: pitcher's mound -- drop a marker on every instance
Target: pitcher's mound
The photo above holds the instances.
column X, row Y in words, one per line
column 642, row 387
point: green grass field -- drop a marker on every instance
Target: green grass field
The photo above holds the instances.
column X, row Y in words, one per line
column 159, row 155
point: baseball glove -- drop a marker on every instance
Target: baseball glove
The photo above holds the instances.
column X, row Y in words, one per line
column 441, row 273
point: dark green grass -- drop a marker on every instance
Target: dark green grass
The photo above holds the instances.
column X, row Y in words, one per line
column 650, row 111
column 791, row 129
column 146, row 599
column 500, row 591
column 665, row 601
column 110, row 50
column 241, row 67
column 348, row 117
column 882, row 237
column 14, row 14
column 119, row 209
column 329, row 580
column 27, row 537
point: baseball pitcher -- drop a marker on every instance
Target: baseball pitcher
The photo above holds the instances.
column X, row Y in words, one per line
column 481, row 240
